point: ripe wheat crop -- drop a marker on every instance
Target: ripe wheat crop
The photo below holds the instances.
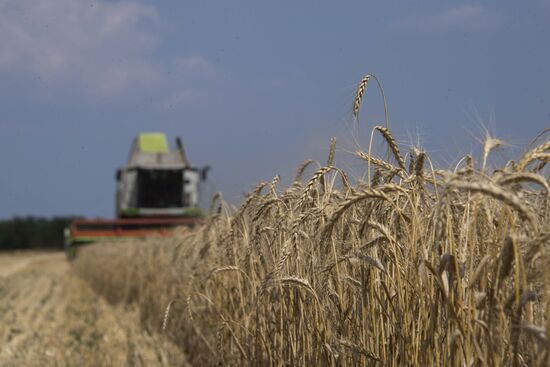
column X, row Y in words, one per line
column 417, row 266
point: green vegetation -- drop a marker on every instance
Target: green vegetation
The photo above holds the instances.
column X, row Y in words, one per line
column 32, row 232
column 193, row 212
column 130, row 212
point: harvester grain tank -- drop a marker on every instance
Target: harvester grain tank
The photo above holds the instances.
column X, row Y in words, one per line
column 157, row 190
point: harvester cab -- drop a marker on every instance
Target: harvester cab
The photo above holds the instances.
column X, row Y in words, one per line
column 157, row 190
column 157, row 181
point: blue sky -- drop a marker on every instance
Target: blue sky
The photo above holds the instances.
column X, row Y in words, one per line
column 254, row 88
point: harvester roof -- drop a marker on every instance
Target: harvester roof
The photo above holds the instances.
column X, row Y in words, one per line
column 151, row 150
column 152, row 143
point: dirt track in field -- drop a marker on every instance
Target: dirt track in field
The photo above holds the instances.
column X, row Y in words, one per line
column 49, row 317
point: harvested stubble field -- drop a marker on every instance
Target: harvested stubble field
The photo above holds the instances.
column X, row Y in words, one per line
column 411, row 266
column 51, row 317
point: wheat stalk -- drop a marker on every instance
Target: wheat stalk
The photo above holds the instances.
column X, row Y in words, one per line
column 392, row 144
column 312, row 181
column 499, row 194
column 381, row 163
column 533, row 155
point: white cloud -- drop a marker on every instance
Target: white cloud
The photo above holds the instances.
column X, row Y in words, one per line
column 181, row 97
column 101, row 45
column 462, row 18
column 194, row 64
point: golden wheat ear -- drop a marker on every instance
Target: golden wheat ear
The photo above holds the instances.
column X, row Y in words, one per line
column 359, row 95
column 359, row 98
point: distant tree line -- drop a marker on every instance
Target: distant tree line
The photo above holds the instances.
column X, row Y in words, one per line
column 32, row 232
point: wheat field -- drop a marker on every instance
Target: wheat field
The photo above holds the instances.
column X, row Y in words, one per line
column 412, row 266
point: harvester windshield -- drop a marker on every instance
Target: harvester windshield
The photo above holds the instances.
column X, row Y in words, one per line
column 160, row 188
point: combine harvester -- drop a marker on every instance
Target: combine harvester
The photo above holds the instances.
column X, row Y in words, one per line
column 156, row 191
